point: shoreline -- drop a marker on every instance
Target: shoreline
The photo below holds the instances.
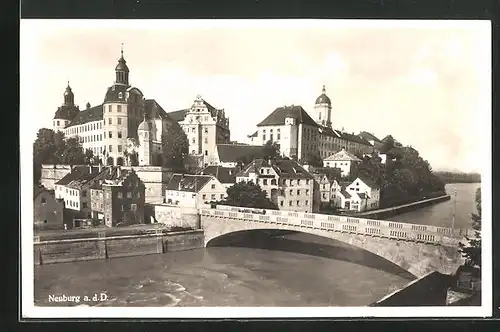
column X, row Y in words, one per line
column 399, row 209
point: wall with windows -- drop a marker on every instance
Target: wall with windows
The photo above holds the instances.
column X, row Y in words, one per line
column 90, row 135
column 124, row 204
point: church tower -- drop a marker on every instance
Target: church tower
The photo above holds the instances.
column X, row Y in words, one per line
column 323, row 110
column 122, row 71
column 66, row 112
column 145, row 143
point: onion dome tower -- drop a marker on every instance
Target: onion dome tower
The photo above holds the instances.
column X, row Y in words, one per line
column 323, row 109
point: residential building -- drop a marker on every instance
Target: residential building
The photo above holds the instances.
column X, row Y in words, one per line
column 343, row 160
column 111, row 129
column 205, row 127
column 324, row 187
column 290, row 127
column 365, row 194
column 193, row 190
column 118, row 198
column 225, row 175
column 47, row 209
column 286, row 183
column 74, row 188
column 230, row 155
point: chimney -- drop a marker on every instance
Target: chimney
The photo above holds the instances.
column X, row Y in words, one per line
column 88, row 105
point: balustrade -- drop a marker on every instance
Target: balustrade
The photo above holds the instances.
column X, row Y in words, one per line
column 419, row 233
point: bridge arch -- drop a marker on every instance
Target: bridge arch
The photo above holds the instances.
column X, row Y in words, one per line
column 416, row 257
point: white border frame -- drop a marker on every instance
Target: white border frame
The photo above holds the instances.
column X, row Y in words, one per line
column 30, row 311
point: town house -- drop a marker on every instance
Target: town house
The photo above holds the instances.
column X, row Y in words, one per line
column 47, row 209
column 186, row 190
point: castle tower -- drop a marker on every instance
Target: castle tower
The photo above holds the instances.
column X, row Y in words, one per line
column 66, row 112
column 123, row 108
column 145, row 143
column 122, row 71
column 323, row 110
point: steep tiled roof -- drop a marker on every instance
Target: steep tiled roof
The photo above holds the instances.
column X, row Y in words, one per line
column 81, row 175
column 368, row 181
column 178, row 115
column 189, row 183
column 88, row 115
column 254, row 134
column 233, row 152
column 288, row 169
column 327, row 131
column 38, row 189
column 277, row 117
column 112, row 94
column 369, row 136
column 223, row 174
column 354, row 138
column 152, row 107
column 342, row 155
column 66, row 112
column 345, row 193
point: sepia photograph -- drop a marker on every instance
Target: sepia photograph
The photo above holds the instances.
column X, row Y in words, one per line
column 255, row 168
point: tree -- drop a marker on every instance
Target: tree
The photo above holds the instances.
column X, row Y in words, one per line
column 52, row 147
column 248, row 194
column 314, row 159
column 89, row 158
column 175, row 147
column 271, row 150
column 471, row 250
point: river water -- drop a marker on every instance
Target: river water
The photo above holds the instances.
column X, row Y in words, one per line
column 249, row 269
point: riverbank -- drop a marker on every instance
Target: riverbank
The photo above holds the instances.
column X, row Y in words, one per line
column 83, row 245
column 395, row 210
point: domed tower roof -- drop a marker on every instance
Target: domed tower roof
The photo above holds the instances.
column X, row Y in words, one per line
column 145, row 125
column 69, row 97
column 122, row 64
column 323, row 98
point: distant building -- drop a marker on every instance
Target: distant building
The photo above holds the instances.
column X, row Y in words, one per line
column 225, row 175
column 292, row 128
column 230, row 155
column 205, row 127
column 118, row 198
column 193, row 190
column 47, row 209
column 286, row 183
column 300, row 134
column 343, row 160
column 323, row 185
column 372, row 139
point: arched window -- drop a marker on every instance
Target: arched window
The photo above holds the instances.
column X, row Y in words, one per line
column 110, row 161
column 119, row 161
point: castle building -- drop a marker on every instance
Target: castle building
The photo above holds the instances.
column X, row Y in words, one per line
column 111, row 130
column 299, row 134
column 205, row 127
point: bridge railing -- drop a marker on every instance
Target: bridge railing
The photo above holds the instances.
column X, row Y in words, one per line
column 367, row 227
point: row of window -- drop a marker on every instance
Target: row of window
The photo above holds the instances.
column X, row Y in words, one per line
column 119, row 148
column 75, row 204
column 131, row 207
column 271, row 137
column 58, row 123
column 298, row 192
column 334, row 164
column 91, row 138
column 290, row 203
column 118, row 121
column 129, row 194
column 118, row 134
column 193, row 140
column 290, row 182
column 205, row 130
column 83, row 128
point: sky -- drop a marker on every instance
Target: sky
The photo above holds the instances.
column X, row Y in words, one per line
column 427, row 83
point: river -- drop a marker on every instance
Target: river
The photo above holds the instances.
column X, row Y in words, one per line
column 250, row 269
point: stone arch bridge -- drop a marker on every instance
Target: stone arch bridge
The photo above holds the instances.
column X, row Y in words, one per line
column 419, row 249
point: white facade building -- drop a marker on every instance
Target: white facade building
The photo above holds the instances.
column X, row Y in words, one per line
column 343, row 160
column 193, row 190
